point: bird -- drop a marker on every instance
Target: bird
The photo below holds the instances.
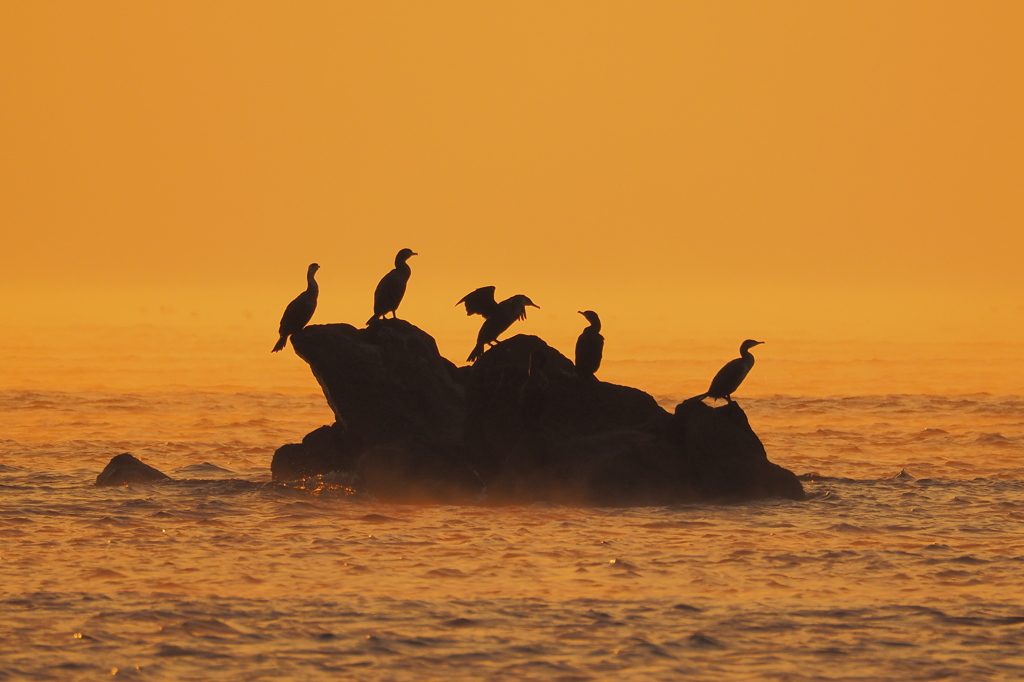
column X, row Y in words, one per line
column 391, row 288
column 590, row 345
column 732, row 374
column 299, row 311
column 497, row 316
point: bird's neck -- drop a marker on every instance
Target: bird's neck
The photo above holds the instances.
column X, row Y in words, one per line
column 311, row 284
column 747, row 356
column 596, row 327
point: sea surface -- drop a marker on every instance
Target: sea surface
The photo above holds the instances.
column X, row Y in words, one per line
column 905, row 563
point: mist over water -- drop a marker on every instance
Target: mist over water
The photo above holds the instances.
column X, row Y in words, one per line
column 223, row 574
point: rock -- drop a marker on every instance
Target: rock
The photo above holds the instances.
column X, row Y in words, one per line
column 411, row 471
column 620, row 468
column 399, row 407
column 724, row 458
column 204, row 469
column 551, row 434
column 125, row 468
column 519, row 425
column 326, row 449
column 386, row 382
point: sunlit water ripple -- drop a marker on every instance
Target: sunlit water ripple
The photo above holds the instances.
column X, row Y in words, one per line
column 232, row 576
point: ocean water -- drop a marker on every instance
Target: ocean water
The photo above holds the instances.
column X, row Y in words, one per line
column 906, row 562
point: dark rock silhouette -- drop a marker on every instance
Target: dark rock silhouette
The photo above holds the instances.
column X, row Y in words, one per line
column 557, row 454
column 724, row 457
column 519, row 425
column 324, row 450
column 125, row 468
column 385, row 382
column 399, row 409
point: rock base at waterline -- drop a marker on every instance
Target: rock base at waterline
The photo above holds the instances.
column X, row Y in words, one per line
column 412, row 426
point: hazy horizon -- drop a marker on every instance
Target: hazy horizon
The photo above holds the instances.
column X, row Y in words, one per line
column 789, row 171
column 165, row 356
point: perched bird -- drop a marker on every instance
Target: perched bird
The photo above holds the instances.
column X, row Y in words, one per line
column 300, row 311
column 732, row 375
column 497, row 316
column 391, row 288
column 590, row 345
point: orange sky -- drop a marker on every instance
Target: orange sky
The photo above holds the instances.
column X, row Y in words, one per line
column 690, row 170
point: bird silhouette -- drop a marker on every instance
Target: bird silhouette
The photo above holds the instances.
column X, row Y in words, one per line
column 589, row 346
column 497, row 316
column 391, row 288
column 299, row 312
column 733, row 373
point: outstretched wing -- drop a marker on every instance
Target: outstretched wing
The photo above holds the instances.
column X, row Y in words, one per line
column 480, row 302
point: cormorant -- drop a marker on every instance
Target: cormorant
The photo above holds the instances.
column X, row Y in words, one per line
column 497, row 316
column 391, row 288
column 590, row 345
column 300, row 311
column 732, row 375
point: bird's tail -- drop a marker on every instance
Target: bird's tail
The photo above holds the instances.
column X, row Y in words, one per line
column 280, row 343
column 478, row 350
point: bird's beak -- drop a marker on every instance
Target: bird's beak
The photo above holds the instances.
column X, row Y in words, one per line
column 759, row 343
column 580, row 312
column 415, row 254
column 534, row 305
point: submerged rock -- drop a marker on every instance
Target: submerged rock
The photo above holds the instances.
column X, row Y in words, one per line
column 125, row 468
column 519, row 425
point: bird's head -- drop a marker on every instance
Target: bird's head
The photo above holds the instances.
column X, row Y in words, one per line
column 591, row 316
column 748, row 344
column 404, row 255
column 313, row 267
column 524, row 301
column 521, row 302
